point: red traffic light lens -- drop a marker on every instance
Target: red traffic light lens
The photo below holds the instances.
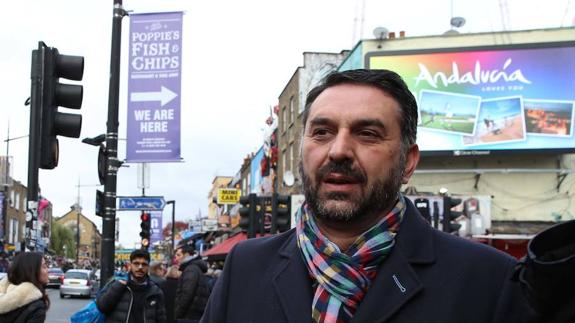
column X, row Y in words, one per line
column 145, row 217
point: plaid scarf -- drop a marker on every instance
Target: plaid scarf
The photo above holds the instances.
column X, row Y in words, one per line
column 344, row 278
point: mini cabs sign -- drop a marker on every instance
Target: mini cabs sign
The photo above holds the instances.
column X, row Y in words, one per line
column 229, row 196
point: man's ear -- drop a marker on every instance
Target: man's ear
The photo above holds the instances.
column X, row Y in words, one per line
column 411, row 161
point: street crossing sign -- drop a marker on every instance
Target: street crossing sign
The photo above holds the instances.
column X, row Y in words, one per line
column 143, row 203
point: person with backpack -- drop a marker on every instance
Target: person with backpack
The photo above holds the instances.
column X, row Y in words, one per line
column 135, row 299
column 194, row 286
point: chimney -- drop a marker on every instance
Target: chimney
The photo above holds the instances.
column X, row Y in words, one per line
column 391, row 35
column 402, row 34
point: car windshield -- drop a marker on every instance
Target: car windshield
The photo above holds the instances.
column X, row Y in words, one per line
column 76, row 275
column 55, row 271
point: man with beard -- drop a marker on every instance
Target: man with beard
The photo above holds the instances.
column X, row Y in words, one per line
column 360, row 251
column 136, row 300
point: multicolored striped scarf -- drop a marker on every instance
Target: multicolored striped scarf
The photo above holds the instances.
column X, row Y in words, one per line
column 344, row 277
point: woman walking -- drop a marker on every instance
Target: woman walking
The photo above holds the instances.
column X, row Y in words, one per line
column 22, row 295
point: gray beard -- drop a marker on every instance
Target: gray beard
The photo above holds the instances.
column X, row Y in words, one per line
column 380, row 197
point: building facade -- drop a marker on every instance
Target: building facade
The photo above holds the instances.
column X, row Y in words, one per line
column 88, row 238
column 291, row 105
column 526, row 191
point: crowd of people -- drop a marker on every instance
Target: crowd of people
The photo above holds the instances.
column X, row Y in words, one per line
column 149, row 292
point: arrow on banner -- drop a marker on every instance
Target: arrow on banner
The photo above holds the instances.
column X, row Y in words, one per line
column 165, row 95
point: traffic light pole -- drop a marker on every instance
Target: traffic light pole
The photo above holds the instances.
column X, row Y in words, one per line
column 110, row 183
column 36, row 101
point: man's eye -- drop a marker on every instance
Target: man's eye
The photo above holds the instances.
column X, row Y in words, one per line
column 320, row 132
column 368, row 134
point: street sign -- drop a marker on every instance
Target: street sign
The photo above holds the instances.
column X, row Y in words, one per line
column 135, row 203
column 154, row 87
column 228, row 196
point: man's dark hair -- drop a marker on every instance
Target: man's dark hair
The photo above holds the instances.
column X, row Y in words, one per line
column 385, row 80
column 187, row 248
column 140, row 253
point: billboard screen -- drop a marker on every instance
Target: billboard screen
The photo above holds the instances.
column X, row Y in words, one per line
column 484, row 100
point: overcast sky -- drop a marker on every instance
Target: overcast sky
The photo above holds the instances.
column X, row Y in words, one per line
column 237, row 58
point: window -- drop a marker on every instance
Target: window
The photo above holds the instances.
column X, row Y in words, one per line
column 13, row 238
column 16, row 200
column 291, row 109
column 283, row 161
column 291, row 155
column 284, row 119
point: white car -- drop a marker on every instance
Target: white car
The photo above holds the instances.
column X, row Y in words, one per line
column 78, row 282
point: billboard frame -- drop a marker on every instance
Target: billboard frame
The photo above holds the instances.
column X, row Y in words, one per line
column 480, row 152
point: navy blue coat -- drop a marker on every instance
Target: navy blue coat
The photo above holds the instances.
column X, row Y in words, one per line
column 428, row 277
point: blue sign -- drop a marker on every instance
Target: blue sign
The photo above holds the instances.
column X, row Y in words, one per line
column 134, row 203
column 154, row 87
column 156, row 228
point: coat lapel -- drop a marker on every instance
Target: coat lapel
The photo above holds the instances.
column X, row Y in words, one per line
column 292, row 283
column 397, row 281
column 395, row 284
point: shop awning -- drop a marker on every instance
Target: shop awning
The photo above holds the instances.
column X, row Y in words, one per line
column 220, row 251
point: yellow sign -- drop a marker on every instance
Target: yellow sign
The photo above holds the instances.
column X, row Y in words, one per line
column 229, row 196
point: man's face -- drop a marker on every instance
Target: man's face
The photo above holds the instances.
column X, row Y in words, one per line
column 139, row 268
column 179, row 256
column 352, row 163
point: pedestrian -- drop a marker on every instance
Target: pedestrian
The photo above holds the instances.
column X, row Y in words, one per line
column 23, row 298
column 193, row 289
column 136, row 299
column 157, row 273
column 170, row 287
column 360, row 250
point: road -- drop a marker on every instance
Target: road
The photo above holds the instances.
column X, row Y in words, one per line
column 61, row 309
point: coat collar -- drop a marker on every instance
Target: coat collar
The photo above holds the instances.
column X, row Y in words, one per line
column 395, row 284
column 397, row 281
column 16, row 296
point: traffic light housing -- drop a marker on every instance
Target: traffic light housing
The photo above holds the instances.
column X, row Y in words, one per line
column 449, row 215
column 145, row 233
column 422, row 205
column 281, row 213
column 48, row 94
column 247, row 214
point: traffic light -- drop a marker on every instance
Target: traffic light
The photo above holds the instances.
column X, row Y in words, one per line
column 449, row 215
column 145, row 233
column 422, row 205
column 99, row 203
column 248, row 214
column 48, row 93
column 281, row 213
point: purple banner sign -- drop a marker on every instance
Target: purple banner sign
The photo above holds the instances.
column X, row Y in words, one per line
column 154, row 88
column 156, row 227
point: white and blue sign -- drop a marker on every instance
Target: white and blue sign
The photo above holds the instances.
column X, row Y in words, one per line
column 154, row 88
column 141, row 203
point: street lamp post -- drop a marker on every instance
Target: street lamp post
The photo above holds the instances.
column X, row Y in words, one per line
column 173, row 202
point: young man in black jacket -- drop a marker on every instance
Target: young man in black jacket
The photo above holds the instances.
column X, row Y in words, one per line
column 135, row 300
column 193, row 289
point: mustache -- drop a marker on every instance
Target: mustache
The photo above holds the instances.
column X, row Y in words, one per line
column 341, row 167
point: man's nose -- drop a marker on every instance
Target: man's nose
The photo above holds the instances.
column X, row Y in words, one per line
column 342, row 146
